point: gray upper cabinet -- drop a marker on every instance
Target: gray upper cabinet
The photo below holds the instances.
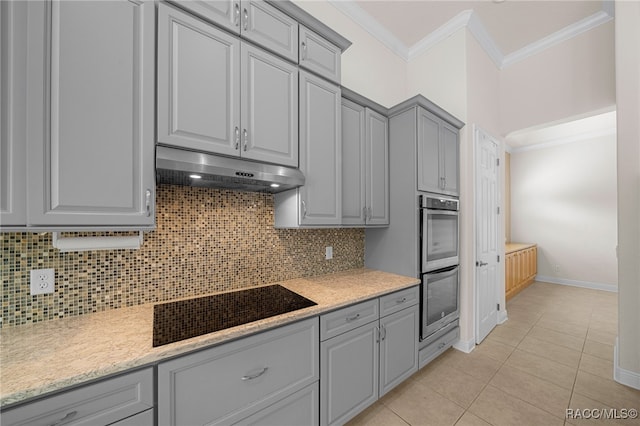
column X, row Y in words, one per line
column 377, row 168
column 269, row 108
column 198, row 84
column 218, row 94
column 254, row 20
column 365, row 167
column 265, row 25
column 13, row 148
column 90, row 114
column 353, row 164
column 319, row 55
column 319, row 201
column 437, row 154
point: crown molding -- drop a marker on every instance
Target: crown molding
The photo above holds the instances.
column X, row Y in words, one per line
column 470, row 20
column 454, row 24
column 566, row 139
column 479, row 31
column 560, row 36
column 372, row 26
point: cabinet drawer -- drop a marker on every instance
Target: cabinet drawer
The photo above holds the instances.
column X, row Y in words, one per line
column 319, row 56
column 430, row 352
column 104, row 402
column 229, row 382
column 300, row 409
column 399, row 300
column 345, row 319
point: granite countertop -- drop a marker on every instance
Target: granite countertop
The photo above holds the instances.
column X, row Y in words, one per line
column 48, row 356
column 511, row 247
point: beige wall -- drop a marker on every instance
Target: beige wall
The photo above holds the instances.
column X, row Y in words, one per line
column 628, row 112
column 368, row 66
column 572, row 78
column 563, row 198
column 507, row 197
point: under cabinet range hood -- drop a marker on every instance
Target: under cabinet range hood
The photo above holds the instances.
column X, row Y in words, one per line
column 191, row 168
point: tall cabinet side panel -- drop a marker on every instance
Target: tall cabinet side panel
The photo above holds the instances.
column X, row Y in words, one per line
column 395, row 248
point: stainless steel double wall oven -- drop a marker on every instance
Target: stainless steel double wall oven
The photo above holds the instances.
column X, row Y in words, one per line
column 439, row 264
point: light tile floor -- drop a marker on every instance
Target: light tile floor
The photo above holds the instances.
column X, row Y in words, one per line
column 555, row 352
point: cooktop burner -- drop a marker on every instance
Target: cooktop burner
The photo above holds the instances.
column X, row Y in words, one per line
column 183, row 319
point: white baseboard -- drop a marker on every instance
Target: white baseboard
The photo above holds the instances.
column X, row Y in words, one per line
column 502, row 316
column 620, row 375
column 576, row 283
column 465, row 346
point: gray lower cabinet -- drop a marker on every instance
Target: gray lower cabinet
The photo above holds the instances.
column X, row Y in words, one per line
column 370, row 356
column 438, row 162
column 90, row 114
column 319, row 201
column 123, row 400
column 221, row 95
column 241, row 381
column 13, row 90
column 254, row 20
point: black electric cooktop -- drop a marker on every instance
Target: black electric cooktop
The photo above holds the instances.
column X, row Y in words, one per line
column 182, row 319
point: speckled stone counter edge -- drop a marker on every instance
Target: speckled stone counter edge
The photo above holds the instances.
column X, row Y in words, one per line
column 46, row 357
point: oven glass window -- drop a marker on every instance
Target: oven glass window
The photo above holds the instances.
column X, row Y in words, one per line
column 442, row 236
column 442, row 296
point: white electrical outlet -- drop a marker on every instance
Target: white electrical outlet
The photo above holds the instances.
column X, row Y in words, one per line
column 328, row 252
column 43, row 281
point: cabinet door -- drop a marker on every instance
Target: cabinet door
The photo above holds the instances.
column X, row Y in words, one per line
column 198, row 84
column 398, row 347
column 270, row 28
column 428, row 152
column 449, row 159
column 91, row 106
column 353, row 165
column 377, row 165
column 225, row 13
column 269, row 108
column 349, row 374
column 319, row 56
column 13, row 91
column 320, row 149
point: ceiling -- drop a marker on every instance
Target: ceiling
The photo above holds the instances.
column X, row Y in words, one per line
column 509, row 30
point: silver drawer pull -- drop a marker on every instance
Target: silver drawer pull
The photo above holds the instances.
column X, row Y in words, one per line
column 65, row 419
column 353, row 317
column 399, row 301
column 246, row 19
column 255, row 376
column 442, row 345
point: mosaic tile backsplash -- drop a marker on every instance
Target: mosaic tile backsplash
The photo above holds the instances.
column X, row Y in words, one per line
column 206, row 240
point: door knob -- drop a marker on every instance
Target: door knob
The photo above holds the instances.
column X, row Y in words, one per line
column 479, row 263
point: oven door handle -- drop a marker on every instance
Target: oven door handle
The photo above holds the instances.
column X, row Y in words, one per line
column 441, row 212
column 443, row 272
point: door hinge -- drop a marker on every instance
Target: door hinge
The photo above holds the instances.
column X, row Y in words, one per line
column 498, row 209
column 497, row 162
column 498, row 306
column 498, row 258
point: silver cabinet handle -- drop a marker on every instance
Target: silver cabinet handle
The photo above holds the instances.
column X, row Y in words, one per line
column 237, row 131
column 236, row 18
column 246, row 19
column 246, row 139
column 148, row 202
column 369, row 213
column 384, row 332
column 254, row 376
column 399, row 301
column 364, row 213
column 353, row 317
column 304, row 51
column 377, row 334
column 65, row 419
column 304, row 209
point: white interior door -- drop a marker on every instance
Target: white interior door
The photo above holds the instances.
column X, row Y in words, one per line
column 488, row 276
